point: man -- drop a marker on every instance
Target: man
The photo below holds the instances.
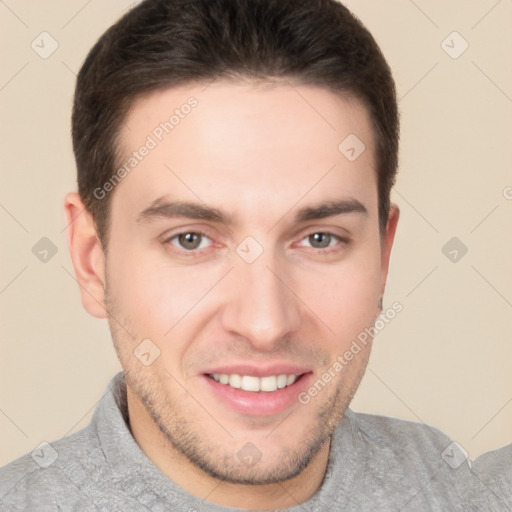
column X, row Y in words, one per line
column 233, row 224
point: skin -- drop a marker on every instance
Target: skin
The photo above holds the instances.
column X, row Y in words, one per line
column 259, row 153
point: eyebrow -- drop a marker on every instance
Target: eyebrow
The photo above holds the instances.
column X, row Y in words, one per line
column 330, row 209
column 171, row 209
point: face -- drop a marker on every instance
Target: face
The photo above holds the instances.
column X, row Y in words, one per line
column 245, row 249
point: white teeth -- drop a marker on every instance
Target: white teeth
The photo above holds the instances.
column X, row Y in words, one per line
column 255, row 384
column 235, row 381
column 268, row 383
column 250, row 383
column 281, row 381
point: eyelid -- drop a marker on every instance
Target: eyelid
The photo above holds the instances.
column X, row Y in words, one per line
column 182, row 230
column 336, row 231
column 180, row 252
column 339, row 246
column 329, row 233
column 177, row 235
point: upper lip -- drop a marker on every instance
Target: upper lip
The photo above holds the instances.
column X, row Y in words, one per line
column 259, row 370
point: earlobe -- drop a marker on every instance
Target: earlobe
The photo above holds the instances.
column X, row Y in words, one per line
column 387, row 243
column 87, row 255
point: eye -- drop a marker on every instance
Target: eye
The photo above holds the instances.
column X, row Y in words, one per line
column 189, row 241
column 321, row 240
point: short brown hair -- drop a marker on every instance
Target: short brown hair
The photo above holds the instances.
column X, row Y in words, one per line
column 162, row 43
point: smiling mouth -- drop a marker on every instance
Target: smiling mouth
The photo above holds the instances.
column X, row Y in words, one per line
column 254, row 384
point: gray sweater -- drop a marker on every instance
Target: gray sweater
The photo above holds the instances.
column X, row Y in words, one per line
column 376, row 463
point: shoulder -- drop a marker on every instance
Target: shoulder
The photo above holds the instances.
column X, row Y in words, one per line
column 411, row 463
column 494, row 470
column 52, row 473
column 399, row 438
column 419, row 466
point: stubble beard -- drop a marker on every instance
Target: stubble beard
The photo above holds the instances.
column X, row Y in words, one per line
column 187, row 437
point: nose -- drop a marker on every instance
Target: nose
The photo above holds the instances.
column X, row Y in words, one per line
column 261, row 307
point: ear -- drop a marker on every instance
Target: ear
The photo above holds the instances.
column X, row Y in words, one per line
column 87, row 255
column 387, row 244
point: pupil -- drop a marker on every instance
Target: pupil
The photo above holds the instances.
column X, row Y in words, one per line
column 320, row 240
column 190, row 240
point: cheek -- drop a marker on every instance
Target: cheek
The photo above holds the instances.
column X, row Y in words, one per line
column 344, row 297
column 153, row 295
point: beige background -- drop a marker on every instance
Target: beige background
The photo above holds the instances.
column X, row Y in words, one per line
column 444, row 360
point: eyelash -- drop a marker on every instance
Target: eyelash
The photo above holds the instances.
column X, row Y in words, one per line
column 337, row 247
column 198, row 252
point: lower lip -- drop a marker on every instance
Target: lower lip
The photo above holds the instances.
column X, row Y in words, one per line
column 262, row 403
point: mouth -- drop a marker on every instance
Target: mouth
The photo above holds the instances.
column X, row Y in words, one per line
column 257, row 395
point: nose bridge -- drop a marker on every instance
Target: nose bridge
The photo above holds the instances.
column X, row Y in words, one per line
column 260, row 307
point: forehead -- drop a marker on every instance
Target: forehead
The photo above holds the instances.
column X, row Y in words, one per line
column 232, row 144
